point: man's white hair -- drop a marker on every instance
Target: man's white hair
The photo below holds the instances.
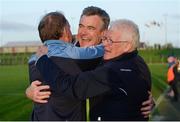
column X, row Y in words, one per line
column 128, row 29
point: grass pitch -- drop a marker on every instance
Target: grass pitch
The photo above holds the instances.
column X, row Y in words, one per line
column 13, row 103
column 14, row 80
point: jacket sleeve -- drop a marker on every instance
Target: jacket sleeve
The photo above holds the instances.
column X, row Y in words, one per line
column 82, row 86
column 34, row 74
column 85, row 52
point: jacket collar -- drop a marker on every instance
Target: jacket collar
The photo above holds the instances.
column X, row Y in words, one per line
column 124, row 56
column 56, row 42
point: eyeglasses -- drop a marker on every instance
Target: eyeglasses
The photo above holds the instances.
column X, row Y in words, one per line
column 110, row 41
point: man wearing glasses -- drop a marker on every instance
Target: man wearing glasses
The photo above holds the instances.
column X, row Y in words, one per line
column 89, row 32
column 122, row 81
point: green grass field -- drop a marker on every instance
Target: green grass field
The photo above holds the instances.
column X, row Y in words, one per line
column 158, row 56
column 158, row 75
column 13, row 103
column 14, row 80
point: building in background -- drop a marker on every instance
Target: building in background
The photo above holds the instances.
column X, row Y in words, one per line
column 20, row 47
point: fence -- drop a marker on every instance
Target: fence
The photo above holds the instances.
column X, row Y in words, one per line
column 150, row 56
column 14, row 58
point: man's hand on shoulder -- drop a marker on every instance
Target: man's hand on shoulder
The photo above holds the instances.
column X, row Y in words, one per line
column 42, row 50
column 147, row 106
column 37, row 92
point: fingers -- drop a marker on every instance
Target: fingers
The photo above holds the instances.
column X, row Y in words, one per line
column 39, row 52
column 41, row 96
column 147, row 108
column 36, row 83
column 146, row 114
column 146, row 111
column 43, row 88
column 37, row 92
column 41, row 93
column 147, row 102
column 29, row 93
column 150, row 94
column 44, row 93
column 41, row 101
column 42, row 50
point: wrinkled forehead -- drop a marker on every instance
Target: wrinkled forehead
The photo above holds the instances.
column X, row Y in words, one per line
column 92, row 20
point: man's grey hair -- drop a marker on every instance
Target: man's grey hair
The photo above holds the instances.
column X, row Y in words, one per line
column 128, row 29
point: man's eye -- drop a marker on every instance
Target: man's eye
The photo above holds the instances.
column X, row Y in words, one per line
column 80, row 26
column 91, row 28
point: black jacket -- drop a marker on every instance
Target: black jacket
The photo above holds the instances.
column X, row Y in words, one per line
column 120, row 85
column 60, row 106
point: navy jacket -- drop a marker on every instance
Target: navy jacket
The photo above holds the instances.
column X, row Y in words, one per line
column 60, row 106
column 120, row 85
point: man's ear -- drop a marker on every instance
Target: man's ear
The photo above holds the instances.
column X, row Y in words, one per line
column 128, row 47
column 65, row 32
column 65, row 35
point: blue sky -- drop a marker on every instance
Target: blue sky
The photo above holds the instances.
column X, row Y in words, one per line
column 19, row 18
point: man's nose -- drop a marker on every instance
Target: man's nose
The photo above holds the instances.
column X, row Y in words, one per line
column 83, row 31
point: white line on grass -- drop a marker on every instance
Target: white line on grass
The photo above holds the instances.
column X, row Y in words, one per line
column 160, row 98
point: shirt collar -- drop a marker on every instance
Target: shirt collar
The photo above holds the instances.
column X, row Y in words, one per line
column 50, row 42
